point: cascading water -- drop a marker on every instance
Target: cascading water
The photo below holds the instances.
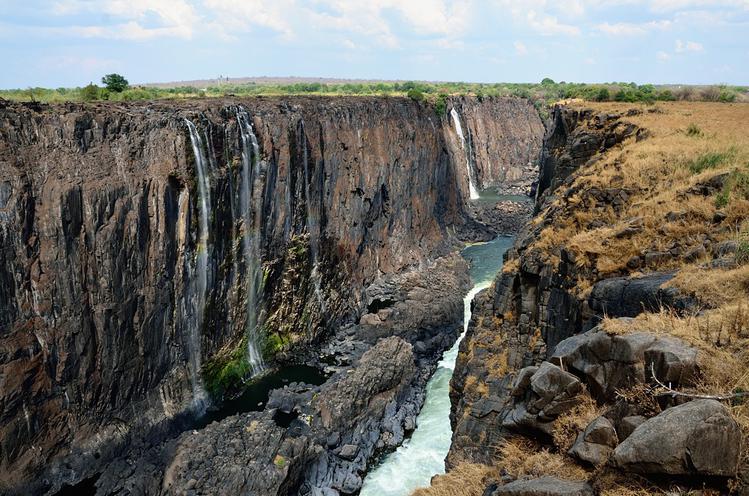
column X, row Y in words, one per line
column 197, row 283
column 313, row 222
column 423, row 455
column 459, row 129
column 250, row 236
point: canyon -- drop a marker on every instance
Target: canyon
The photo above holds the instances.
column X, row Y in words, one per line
column 299, row 295
column 157, row 254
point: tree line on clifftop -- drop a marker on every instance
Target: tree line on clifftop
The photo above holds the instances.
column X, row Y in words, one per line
column 116, row 88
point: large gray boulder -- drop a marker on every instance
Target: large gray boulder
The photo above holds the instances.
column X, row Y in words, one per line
column 698, row 437
column 540, row 394
column 596, row 443
column 545, row 486
column 611, row 362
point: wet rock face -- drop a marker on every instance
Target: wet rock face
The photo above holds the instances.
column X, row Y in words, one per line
column 503, row 143
column 100, row 235
column 698, row 437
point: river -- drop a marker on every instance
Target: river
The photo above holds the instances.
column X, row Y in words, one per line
column 422, row 456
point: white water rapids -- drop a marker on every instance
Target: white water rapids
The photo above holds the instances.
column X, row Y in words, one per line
column 422, row 456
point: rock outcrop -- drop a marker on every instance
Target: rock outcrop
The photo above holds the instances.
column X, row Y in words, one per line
column 544, row 486
column 609, row 363
column 308, row 440
column 596, row 443
column 502, row 143
column 698, row 437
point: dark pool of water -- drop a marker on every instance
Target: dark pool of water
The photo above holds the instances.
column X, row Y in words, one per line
column 254, row 398
column 87, row 487
column 485, row 259
column 490, row 195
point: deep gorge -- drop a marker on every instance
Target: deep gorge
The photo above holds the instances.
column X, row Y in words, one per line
column 153, row 251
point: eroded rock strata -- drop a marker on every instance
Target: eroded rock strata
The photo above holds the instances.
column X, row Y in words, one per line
column 144, row 246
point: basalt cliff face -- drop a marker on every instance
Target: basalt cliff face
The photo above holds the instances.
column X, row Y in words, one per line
column 145, row 247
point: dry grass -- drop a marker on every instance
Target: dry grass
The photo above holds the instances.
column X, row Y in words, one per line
column 521, row 457
column 568, row 425
column 467, row 479
column 713, row 287
column 657, row 173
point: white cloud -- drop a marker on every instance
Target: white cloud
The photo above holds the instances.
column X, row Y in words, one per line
column 442, row 18
column 689, row 46
column 241, row 15
column 547, row 25
column 662, row 55
column 632, row 29
column 520, row 48
column 176, row 18
column 671, row 5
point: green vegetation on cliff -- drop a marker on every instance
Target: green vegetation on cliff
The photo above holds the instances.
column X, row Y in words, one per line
column 227, row 370
column 434, row 92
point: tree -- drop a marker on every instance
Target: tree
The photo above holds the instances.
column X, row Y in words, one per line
column 90, row 92
column 547, row 81
column 115, row 83
column 603, row 95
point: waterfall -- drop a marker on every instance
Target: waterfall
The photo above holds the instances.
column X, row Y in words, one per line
column 313, row 223
column 250, row 236
column 459, row 129
column 195, row 298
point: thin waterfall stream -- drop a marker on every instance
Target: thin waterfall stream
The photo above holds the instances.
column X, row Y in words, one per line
column 473, row 191
column 250, row 236
column 200, row 280
column 422, row 456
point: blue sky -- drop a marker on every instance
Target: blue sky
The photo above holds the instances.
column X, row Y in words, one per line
column 72, row 42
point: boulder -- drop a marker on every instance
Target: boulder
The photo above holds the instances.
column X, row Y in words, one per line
column 540, row 395
column 630, row 296
column 698, row 437
column 545, row 486
column 596, row 443
column 610, row 362
column 628, row 425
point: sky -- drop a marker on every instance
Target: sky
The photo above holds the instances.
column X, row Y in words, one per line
column 56, row 43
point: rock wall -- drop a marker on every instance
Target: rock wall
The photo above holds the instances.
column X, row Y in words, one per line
column 105, row 326
column 502, row 142
column 531, row 306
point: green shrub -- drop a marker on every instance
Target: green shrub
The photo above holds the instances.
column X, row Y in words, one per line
column 90, row 92
column 440, row 105
column 415, row 95
column 727, row 96
column 742, row 248
column 709, row 160
column 227, row 371
column 722, row 198
column 603, row 95
column 694, row 130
